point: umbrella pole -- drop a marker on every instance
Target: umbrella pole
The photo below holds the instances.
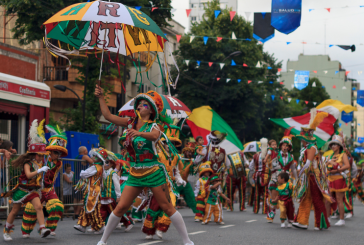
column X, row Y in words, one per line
column 102, row 58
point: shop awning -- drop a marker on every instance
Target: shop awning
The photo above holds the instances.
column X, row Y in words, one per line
column 25, row 91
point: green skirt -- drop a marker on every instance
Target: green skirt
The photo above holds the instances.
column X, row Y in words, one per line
column 155, row 179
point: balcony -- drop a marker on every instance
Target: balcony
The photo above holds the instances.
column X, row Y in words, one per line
column 54, row 75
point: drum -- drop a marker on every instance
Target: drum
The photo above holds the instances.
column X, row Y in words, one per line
column 237, row 165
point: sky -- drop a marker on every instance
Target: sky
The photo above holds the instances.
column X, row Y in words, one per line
column 343, row 25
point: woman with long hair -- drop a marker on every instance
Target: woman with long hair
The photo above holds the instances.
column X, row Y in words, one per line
column 336, row 166
column 143, row 133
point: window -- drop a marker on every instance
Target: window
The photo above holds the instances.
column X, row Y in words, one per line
column 193, row 18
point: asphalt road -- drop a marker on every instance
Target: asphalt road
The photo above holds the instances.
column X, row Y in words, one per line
column 239, row 228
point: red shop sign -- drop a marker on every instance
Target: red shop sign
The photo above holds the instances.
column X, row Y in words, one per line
column 24, row 90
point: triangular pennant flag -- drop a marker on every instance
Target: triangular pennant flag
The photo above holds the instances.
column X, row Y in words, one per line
column 281, row 97
column 178, row 38
column 344, row 87
column 297, row 101
column 245, row 65
column 188, row 11
column 154, row 8
column 210, row 64
column 314, row 84
column 314, row 103
column 340, row 124
column 138, row 7
column 217, row 12
column 269, row 68
column 233, row 36
column 336, row 72
column 187, row 62
column 334, row 86
column 279, row 69
column 325, row 72
column 260, row 82
column 222, row 65
column 331, row 45
column 198, row 62
column 239, row 80
column 314, row 71
column 304, row 42
column 310, row 10
column 271, row 82
column 346, row 124
column 263, row 13
column 291, row 70
column 360, row 72
column 232, row 14
column 205, row 38
column 277, row 89
column 347, row 72
column 289, row 100
column 258, row 65
column 173, row 10
column 218, row 78
column 281, row 83
column 248, row 39
column 328, row 9
column 323, row 86
column 218, row 39
column 233, row 63
column 191, row 38
column 306, row 102
column 247, row 14
column 249, row 81
column 228, row 80
column 272, row 97
column 288, row 43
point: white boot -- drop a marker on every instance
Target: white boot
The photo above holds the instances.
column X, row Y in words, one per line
column 149, row 237
column 45, row 232
column 180, row 226
column 80, row 228
column 111, row 225
column 26, row 235
column 283, row 225
column 129, row 227
column 348, row 216
column 101, row 243
column 340, row 223
column 159, row 234
column 100, row 231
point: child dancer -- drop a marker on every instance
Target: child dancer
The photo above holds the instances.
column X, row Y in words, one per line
column 200, row 150
column 56, row 147
column 200, row 191
column 213, row 204
column 29, row 184
column 284, row 199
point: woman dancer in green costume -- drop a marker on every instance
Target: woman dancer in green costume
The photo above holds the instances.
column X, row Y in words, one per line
column 143, row 132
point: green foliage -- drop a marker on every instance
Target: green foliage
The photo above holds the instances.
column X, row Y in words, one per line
column 32, row 14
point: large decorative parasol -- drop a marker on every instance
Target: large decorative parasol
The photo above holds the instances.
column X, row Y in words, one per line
column 174, row 107
column 103, row 27
column 253, row 146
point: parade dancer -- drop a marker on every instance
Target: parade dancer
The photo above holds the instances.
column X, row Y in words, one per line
column 259, row 175
column 200, row 191
column 284, row 198
column 283, row 163
column 337, row 167
column 157, row 221
column 90, row 182
column 29, row 181
column 143, row 134
column 213, row 204
column 311, row 188
column 57, row 147
column 239, row 183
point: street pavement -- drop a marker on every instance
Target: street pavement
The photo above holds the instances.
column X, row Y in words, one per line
column 239, row 228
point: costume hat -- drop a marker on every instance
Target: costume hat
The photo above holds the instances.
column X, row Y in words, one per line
column 37, row 141
column 287, row 138
column 57, row 141
column 205, row 167
column 315, row 120
column 190, row 146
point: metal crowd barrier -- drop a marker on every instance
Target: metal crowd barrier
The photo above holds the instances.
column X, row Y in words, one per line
column 65, row 191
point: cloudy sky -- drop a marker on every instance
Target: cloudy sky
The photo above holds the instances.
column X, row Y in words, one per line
column 344, row 26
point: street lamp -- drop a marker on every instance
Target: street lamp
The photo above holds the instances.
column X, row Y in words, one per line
column 63, row 89
column 236, row 53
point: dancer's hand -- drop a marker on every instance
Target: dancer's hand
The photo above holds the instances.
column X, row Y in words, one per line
column 228, row 200
column 43, row 169
column 133, row 133
column 98, row 91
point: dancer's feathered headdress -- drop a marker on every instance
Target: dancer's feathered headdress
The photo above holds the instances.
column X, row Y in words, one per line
column 58, row 140
column 37, row 142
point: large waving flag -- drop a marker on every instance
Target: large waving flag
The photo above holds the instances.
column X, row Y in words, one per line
column 203, row 120
column 326, row 129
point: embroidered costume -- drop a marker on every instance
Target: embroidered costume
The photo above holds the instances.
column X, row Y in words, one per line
column 259, row 176
column 286, row 205
column 200, row 190
column 312, row 188
column 213, row 204
column 54, row 207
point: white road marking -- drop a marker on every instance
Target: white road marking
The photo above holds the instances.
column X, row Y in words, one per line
column 249, row 221
column 147, row 243
column 226, row 226
column 197, row 232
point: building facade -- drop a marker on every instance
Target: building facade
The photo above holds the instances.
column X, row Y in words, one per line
column 330, row 74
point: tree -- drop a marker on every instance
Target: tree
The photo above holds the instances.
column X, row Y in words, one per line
column 28, row 28
column 245, row 106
